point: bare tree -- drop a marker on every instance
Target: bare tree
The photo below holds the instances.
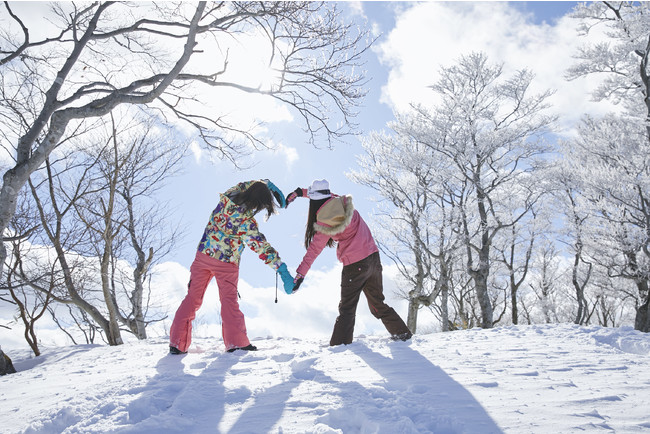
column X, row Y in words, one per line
column 101, row 205
column 164, row 57
column 30, row 306
column 122, row 216
column 145, row 171
column 67, row 236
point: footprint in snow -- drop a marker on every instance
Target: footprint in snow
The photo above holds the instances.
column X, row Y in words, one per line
column 420, row 389
column 282, row 358
column 303, row 370
column 487, row 385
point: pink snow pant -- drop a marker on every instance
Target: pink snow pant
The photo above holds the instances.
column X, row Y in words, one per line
column 233, row 326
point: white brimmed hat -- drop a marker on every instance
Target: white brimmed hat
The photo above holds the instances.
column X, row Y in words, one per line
column 319, row 189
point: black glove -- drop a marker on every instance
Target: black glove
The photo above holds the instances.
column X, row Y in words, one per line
column 298, row 192
column 296, row 283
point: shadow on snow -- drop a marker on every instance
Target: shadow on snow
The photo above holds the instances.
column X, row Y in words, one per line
column 414, row 395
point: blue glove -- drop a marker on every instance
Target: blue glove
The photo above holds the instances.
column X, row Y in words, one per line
column 277, row 193
column 287, row 278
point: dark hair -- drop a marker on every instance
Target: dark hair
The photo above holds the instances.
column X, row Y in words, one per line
column 314, row 206
column 256, row 197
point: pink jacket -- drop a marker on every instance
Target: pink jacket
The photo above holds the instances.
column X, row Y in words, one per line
column 337, row 219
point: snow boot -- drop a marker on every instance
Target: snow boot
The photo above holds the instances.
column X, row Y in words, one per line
column 249, row 347
column 402, row 337
column 174, row 350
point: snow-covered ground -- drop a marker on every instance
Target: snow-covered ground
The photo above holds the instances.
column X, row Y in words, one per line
column 520, row 379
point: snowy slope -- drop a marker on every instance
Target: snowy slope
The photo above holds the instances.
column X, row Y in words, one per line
column 522, row 379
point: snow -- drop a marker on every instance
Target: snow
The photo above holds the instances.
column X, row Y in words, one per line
column 517, row 379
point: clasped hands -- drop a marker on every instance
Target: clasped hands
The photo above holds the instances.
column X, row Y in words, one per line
column 290, row 283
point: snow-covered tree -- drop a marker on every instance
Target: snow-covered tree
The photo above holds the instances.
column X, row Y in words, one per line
column 537, row 298
column 574, row 221
column 514, row 252
column 621, row 59
column 456, row 175
column 612, row 153
column 490, row 128
column 416, row 217
column 611, row 158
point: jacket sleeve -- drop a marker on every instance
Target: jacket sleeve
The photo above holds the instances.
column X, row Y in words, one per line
column 315, row 248
column 257, row 242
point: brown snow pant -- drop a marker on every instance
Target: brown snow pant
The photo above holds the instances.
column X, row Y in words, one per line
column 365, row 276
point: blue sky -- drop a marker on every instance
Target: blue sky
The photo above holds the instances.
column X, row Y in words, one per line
column 397, row 69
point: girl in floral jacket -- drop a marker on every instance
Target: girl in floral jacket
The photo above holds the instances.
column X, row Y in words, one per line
column 333, row 219
column 232, row 225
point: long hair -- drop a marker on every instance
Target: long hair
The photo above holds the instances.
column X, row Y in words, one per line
column 314, row 206
column 257, row 197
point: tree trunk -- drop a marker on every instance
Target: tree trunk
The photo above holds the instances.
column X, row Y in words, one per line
column 643, row 69
column 642, row 319
column 444, row 308
column 481, row 274
column 581, row 315
column 513, row 300
column 483, row 296
column 417, row 294
column 113, row 336
column 412, row 318
column 137, row 324
column 12, row 182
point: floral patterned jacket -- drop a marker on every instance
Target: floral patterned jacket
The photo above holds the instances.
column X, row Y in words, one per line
column 231, row 227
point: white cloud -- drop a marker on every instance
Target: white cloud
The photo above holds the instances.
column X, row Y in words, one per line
column 356, row 7
column 196, row 151
column 434, row 34
column 289, row 153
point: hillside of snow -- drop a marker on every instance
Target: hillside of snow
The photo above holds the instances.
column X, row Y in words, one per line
column 520, row 379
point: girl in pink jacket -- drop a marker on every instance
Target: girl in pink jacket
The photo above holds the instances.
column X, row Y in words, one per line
column 232, row 225
column 333, row 219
